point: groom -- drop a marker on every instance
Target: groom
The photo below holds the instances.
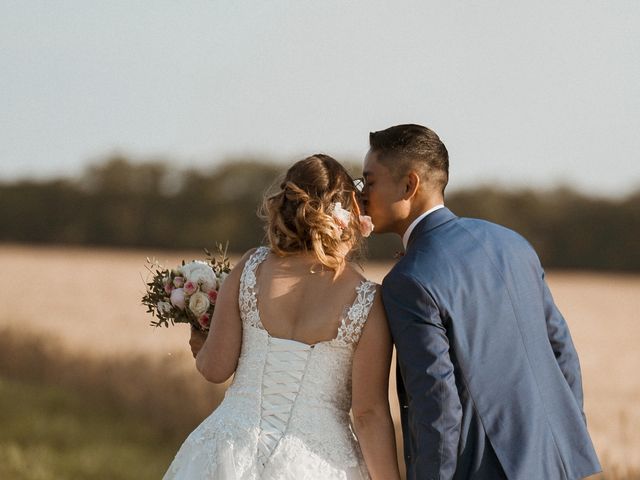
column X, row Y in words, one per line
column 488, row 378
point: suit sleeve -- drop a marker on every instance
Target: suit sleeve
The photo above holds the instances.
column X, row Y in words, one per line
column 422, row 348
column 562, row 345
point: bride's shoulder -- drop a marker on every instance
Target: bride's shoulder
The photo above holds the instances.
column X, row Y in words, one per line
column 260, row 252
column 246, row 257
column 248, row 254
column 354, row 275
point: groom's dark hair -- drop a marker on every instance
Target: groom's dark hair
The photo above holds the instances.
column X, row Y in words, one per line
column 403, row 148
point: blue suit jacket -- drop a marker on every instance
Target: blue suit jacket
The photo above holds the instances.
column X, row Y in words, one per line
column 489, row 379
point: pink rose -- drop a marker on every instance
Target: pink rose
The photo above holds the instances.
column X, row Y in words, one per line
column 213, row 296
column 178, row 282
column 366, row 225
column 168, row 288
column 190, row 288
column 177, row 298
column 204, row 320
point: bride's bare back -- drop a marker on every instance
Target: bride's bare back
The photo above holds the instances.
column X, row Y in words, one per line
column 300, row 301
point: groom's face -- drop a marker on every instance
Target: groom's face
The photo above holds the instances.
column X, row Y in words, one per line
column 383, row 196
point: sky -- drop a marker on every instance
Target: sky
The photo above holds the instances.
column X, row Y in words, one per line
column 523, row 93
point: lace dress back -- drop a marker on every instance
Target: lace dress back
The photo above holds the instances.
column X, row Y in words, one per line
column 286, row 413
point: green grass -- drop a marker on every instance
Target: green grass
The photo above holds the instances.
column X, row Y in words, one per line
column 48, row 432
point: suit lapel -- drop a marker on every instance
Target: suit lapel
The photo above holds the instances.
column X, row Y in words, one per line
column 431, row 221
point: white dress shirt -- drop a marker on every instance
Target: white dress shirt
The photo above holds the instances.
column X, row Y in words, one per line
column 407, row 234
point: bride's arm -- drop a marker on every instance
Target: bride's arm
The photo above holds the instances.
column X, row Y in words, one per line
column 218, row 358
column 370, row 391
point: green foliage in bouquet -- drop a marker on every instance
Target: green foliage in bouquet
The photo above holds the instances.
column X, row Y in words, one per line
column 188, row 293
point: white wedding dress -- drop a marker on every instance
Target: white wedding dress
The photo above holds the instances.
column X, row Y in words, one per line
column 286, row 414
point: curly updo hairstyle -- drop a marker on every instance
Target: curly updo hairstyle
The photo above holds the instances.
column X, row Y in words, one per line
column 298, row 216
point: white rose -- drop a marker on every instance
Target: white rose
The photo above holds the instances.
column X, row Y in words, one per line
column 205, row 277
column 201, row 274
column 199, row 303
column 191, row 267
column 164, row 307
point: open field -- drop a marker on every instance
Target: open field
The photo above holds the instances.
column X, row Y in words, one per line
column 87, row 301
column 84, row 441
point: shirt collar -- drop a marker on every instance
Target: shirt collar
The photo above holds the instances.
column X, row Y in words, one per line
column 407, row 233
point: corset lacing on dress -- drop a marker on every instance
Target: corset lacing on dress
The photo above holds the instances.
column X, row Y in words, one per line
column 284, row 369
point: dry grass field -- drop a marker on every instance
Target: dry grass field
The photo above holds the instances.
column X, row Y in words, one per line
column 88, row 302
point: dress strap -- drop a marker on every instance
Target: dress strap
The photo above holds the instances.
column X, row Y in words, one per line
column 356, row 316
column 247, row 299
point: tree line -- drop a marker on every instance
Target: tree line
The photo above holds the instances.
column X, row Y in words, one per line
column 120, row 203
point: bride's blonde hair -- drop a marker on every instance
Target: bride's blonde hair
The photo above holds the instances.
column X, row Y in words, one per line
column 299, row 216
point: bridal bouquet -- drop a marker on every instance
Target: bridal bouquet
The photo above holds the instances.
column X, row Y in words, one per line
column 188, row 293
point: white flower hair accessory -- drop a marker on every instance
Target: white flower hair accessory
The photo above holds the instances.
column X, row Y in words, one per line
column 342, row 216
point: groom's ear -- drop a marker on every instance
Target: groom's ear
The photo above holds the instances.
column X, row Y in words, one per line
column 411, row 185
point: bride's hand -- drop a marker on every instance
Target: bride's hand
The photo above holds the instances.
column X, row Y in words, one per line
column 197, row 340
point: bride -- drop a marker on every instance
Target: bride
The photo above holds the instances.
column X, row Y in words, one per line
column 307, row 339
